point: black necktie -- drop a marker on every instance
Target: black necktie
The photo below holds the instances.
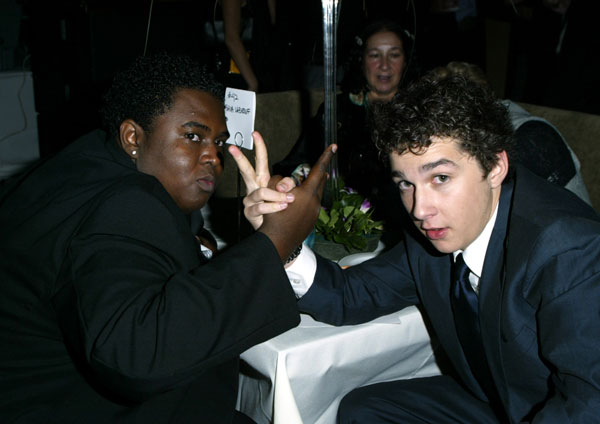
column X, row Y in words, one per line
column 465, row 306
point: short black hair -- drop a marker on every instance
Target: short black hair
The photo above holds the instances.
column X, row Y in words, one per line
column 451, row 106
column 145, row 90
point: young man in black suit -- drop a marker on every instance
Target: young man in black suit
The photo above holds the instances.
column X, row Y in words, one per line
column 109, row 310
column 505, row 265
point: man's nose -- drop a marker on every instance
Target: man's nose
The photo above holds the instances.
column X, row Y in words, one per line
column 211, row 154
column 423, row 205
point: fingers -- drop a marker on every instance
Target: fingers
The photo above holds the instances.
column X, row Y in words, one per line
column 264, row 201
column 267, row 195
column 280, row 184
column 253, row 177
column 245, row 168
column 259, row 209
column 285, row 185
column 262, row 158
column 321, row 186
column 275, row 179
column 318, row 172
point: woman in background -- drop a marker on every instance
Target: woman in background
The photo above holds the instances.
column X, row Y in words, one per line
column 376, row 70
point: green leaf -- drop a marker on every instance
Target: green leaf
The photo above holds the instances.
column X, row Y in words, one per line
column 358, row 241
column 345, row 223
column 323, row 216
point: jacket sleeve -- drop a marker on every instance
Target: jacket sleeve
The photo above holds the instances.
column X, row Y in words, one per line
column 144, row 312
column 569, row 331
column 360, row 293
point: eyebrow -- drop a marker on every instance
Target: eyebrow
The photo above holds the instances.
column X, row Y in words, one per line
column 195, row 124
column 375, row 48
column 431, row 165
column 427, row 167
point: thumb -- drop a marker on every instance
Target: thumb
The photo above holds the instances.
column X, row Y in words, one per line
column 318, row 173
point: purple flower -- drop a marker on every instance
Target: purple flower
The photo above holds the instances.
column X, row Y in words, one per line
column 365, row 206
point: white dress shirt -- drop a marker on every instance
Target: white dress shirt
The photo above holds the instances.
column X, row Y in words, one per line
column 302, row 272
column 474, row 254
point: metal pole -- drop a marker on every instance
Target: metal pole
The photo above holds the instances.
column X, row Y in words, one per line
column 330, row 21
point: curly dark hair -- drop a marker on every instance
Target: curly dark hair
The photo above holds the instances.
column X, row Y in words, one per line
column 354, row 78
column 145, row 90
column 448, row 106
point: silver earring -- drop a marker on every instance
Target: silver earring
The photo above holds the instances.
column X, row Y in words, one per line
column 134, row 152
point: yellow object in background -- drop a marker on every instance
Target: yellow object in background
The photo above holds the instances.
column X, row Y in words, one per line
column 233, row 68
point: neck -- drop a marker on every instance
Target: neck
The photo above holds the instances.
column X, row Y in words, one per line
column 380, row 97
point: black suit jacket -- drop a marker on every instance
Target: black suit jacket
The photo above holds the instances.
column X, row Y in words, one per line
column 108, row 311
column 539, row 301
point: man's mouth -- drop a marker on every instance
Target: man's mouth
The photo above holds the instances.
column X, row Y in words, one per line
column 207, row 183
column 435, row 233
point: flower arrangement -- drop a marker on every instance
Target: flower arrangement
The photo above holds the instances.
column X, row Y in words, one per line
column 348, row 220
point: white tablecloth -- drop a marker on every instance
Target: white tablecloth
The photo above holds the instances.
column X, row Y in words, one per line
column 300, row 376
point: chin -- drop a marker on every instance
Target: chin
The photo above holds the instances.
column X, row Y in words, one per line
column 385, row 94
column 192, row 206
column 442, row 247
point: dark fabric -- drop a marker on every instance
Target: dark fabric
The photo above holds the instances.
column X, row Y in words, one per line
column 437, row 400
column 109, row 312
column 542, row 150
column 465, row 308
column 240, row 418
column 539, row 297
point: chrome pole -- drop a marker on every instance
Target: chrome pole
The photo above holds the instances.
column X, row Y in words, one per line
column 330, row 22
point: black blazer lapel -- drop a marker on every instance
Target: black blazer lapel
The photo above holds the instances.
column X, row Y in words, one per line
column 492, row 286
column 434, row 290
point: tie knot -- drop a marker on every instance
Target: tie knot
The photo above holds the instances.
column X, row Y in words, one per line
column 460, row 270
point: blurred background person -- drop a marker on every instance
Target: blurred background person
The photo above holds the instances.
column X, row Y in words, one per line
column 248, row 27
column 257, row 44
column 538, row 145
column 239, row 33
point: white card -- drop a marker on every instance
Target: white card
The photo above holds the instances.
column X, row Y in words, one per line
column 240, row 109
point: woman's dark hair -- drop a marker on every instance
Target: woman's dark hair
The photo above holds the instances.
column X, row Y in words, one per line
column 145, row 90
column 451, row 106
column 354, row 80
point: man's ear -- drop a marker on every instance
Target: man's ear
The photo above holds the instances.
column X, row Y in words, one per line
column 499, row 171
column 130, row 137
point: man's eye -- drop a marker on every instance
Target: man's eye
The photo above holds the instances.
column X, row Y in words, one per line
column 220, row 143
column 192, row 136
column 441, row 178
column 404, row 185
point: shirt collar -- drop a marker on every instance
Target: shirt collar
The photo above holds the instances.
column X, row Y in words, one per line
column 474, row 254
